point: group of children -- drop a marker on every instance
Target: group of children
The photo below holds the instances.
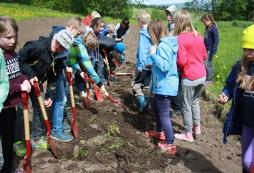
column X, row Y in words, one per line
column 74, row 48
column 169, row 62
column 169, row 66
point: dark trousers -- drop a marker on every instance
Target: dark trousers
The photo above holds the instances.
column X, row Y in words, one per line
column 161, row 105
column 7, row 128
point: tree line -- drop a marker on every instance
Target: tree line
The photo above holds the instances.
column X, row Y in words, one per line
column 112, row 8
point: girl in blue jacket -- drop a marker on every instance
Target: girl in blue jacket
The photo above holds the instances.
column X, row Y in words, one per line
column 165, row 83
column 240, row 87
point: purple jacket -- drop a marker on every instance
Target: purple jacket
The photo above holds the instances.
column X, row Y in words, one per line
column 15, row 78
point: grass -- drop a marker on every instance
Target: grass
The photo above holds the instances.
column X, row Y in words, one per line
column 23, row 12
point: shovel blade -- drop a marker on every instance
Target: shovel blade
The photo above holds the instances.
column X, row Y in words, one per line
column 27, row 159
column 98, row 94
column 50, row 142
column 75, row 130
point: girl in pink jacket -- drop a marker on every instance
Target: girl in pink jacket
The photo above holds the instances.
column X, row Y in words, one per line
column 190, row 60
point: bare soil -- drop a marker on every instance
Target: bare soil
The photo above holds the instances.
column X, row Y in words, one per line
column 111, row 137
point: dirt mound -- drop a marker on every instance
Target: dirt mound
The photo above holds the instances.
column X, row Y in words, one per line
column 111, row 137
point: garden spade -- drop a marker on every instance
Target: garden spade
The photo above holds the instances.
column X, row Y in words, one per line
column 73, row 108
column 27, row 159
column 96, row 90
column 45, row 117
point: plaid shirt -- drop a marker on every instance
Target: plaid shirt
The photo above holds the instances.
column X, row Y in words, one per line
column 4, row 81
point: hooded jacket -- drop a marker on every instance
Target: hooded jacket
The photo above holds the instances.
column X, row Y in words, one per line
column 37, row 59
column 4, row 82
column 165, row 78
column 79, row 56
column 143, row 51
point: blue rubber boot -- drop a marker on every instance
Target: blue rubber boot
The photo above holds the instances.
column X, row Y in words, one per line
column 142, row 103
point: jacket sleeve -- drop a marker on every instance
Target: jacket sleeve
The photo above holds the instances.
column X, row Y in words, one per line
column 4, row 81
column 231, row 81
column 143, row 55
column 215, row 38
column 27, row 55
column 181, row 56
column 163, row 59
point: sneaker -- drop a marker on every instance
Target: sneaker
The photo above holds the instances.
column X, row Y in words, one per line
column 61, row 136
column 66, row 127
column 185, row 136
column 19, row 148
column 169, row 148
column 155, row 134
column 196, row 131
column 41, row 144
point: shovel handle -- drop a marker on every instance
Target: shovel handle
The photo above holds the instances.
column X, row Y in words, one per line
column 38, row 93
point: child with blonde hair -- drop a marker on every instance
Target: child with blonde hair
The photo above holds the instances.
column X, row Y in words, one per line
column 240, row 88
column 165, row 83
column 143, row 64
column 190, row 61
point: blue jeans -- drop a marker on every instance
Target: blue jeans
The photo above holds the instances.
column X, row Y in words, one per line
column 161, row 106
column 100, row 68
column 209, row 68
column 59, row 102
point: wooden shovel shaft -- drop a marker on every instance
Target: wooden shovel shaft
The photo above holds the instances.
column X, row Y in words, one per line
column 74, row 124
column 27, row 159
column 45, row 117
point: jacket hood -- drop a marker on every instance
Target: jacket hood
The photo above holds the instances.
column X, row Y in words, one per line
column 78, row 40
column 171, row 42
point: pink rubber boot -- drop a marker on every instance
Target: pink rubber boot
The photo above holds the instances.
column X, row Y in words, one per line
column 185, row 136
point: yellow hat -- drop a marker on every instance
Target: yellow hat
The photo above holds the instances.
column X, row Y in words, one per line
column 248, row 38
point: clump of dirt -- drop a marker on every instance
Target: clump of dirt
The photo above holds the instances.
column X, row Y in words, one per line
column 111, row 137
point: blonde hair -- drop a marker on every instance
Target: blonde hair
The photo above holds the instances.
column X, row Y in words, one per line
column 7, row 25
column 183, row 23
column 245, row 81
column 144, row 17
column 90, row 40
column 157, row 30
column 111, row 27
column 75, row 23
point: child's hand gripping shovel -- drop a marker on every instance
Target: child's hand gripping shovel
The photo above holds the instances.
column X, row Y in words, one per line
column 97, row 92
column 45, row 117
column 73, row 108
column 27, row 159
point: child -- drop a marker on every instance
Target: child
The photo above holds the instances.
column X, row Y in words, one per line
column 143, row 72
column 190, row 61
column 18, row 83
column 4, row 81
column 211, row 39
column 79, row 57
column 239, row 87
column 170, row 12
column 60, row 128
column 165, row 82
column 121, row 30
column 40, row 60
column 87, row 20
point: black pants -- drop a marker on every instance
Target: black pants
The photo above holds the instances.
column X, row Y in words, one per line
column 7, row 127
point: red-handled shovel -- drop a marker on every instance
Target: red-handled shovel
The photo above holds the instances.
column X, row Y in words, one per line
column 27, row 159
column 45, row 117
column 73, row 108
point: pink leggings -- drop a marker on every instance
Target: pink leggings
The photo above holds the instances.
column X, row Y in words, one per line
column 247, row 140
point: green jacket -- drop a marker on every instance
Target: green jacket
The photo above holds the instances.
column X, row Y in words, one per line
column 4, row 81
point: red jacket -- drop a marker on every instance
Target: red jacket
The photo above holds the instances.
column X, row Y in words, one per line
column 191, row 56
column 87, row 20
